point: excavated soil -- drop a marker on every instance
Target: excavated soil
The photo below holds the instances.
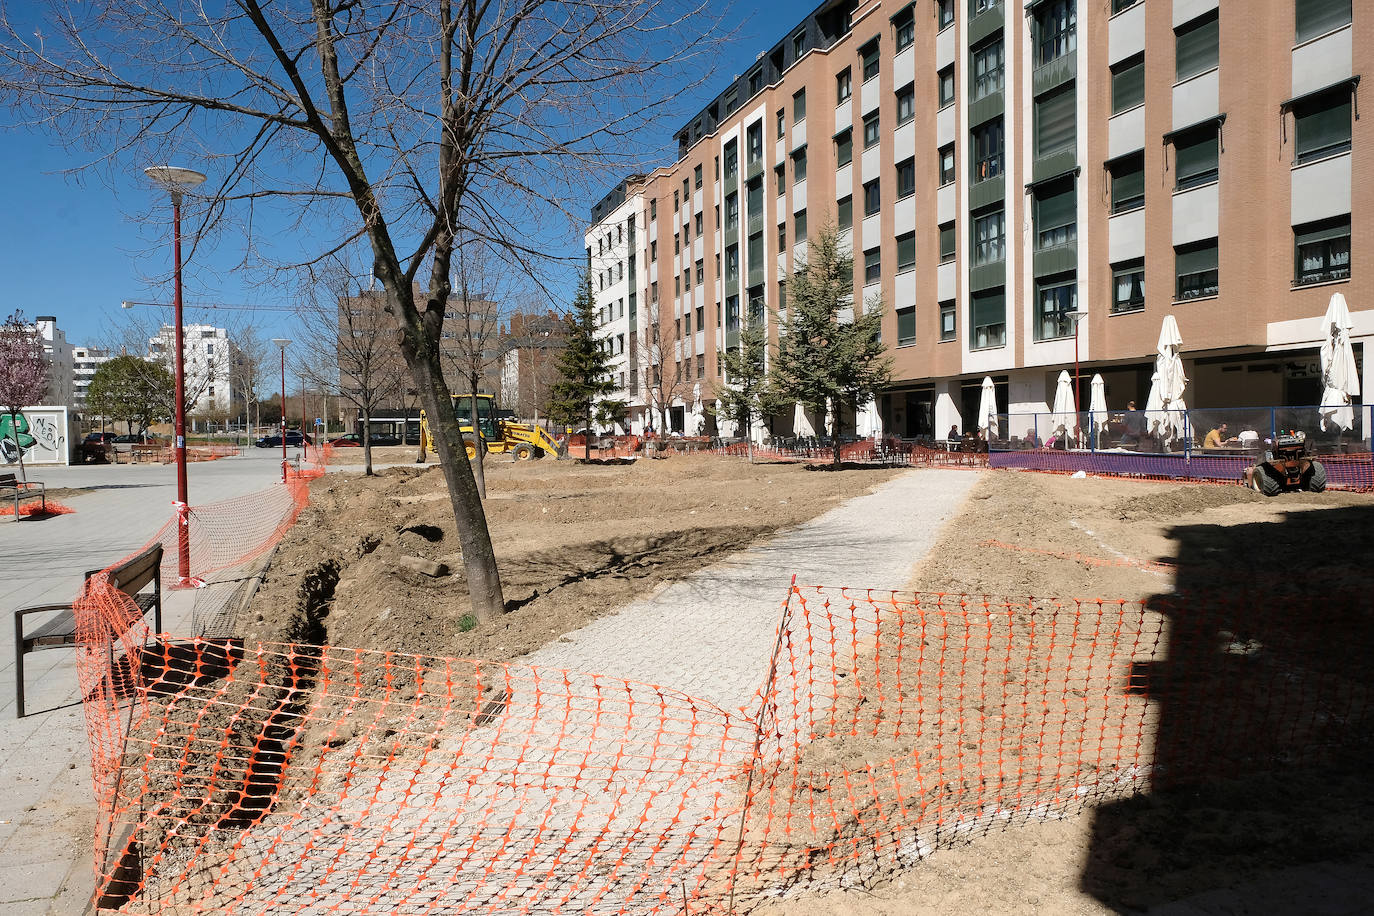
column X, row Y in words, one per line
column 573, row 542
column 1286, row 840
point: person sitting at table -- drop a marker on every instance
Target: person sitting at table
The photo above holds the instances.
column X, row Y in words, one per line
column 953, row 432
column 1059, row 439
column 1032, row 440
column 1216, row 437
column 1135, row 426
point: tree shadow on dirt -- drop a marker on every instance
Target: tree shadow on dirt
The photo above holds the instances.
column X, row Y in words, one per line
column 1265, row 708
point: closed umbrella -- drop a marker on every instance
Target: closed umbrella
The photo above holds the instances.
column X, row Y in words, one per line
column 1065, row 410
column 1165, row 407
column 1339, row 373
column 1097, row 403
column 987, row 409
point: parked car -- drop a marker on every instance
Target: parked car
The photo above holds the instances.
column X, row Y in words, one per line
column 294, row 439
column 96, row 448
column 126, row 442
column 354, row 440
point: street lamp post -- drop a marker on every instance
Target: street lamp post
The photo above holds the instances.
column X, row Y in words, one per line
column 283, row 343
column 1076, row 317
column 176, row 180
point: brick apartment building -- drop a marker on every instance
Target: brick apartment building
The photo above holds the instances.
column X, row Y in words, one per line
column 997, row 167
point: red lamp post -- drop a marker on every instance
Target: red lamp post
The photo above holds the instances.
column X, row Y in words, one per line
column 176, row 180
column 283, row 343
column 1076, row 317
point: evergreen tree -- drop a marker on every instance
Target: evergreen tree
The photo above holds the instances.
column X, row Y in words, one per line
column 584, row 376
column 746, row 394
column 830, row 354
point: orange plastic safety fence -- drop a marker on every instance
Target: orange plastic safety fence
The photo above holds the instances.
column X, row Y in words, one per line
column 47, row 508
column 1343, row 471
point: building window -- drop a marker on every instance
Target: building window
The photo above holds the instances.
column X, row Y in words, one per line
column 906, row 252
column 696, row 177
column 987, row 150
column 987, row 69
column 844, row 86
column 906, row 178
column 869, row 54
column 755, row 81
column 845, row 206
column 1321, row 125
column 732, row 264
column 799, row 106
column 1054, row 300
column 1317, row 17
column 1196, row 46
column 754, row 202
column 731, row 158
column 947, row 165
column 872, row 198
column 844, row 148
column 755, row 250
column 1121, row 5
column 948, row 242
column 701, row 365
column 945, row 79
column 1322, row 251
column 1196, row 268
column 873, row 265
column 732, row 212
column 978, row 7
column 1056, row 128
column 904, row 29
column 989, row 235
column 799, row 227
column 1128, row 182
column 701, row 317
column 780, row 179
column 754, row 139
column 653, row 209
column 701, row 272
column 948, row 323
column 1128, row 84
column 988, row 319
column 1196, row 157
column 944, row 14
column 1128, row 286
column 782, row 237
column 906, row 104
column 677, row 201
column 1056, row 30
column 798, row 44
column 1056, row 214
column 799, row 165
column 677, row 243
column 906, row 326
column 871, row 131
column 782, row 123
column 697, row 221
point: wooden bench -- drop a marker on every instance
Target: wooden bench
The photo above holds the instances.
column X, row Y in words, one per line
column 130, row 577
column 148, row 452
column 18, row 490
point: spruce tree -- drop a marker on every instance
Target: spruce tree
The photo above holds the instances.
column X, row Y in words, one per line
column 584, row 376
column 746, row 395
column 830, row 353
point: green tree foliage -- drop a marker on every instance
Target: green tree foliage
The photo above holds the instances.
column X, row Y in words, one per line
column 133, row 390
column 584, row 374
column 830, row 355
column 747, row 395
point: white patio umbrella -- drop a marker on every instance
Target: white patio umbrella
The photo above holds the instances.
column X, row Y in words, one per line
column 1339, row 373
column 1065, row 410
column 1165, row 405
column 1097, row 403
column 987, row 408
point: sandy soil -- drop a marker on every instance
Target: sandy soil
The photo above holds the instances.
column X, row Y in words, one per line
column 1259, row 843
column 573, row 542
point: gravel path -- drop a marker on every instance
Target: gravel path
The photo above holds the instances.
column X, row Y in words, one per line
column 710, row 635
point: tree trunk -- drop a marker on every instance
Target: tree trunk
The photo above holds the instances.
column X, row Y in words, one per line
column 748, row 438
column 835, row 432
column 367, row 443
column 479, row 470
column 587, row 438
column 479, row 560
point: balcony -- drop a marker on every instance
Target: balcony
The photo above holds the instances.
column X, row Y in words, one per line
column 981, row 25
column 1055, row 73
column 1056, row 260
column 988, row 191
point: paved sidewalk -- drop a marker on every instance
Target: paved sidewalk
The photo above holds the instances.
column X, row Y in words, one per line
column 47, row 814
column 711, row 635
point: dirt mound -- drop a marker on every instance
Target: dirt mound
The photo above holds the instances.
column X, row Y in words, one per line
column 573, row 541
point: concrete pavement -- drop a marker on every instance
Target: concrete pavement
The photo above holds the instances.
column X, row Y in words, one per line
column 47, row 812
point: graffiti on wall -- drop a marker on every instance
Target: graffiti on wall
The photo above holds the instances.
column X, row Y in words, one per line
column 37, row 434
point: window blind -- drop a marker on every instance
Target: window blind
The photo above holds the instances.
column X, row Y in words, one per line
column 1196, row 259
column 1055, row 123
column 1056, row 204
column 1128, row 86
column 1195, row 47
column 1317, row 17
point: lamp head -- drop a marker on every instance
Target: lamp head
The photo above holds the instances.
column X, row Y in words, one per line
column 282, row 342
column 173, row 178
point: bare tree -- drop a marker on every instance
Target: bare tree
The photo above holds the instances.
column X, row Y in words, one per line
column 248, row 368
column 23, row 378
column 393, row 124
column 668, row 378
column 346, row 346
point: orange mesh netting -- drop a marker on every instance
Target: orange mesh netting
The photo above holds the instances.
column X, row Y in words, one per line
column 302, row 779
column 37, row 509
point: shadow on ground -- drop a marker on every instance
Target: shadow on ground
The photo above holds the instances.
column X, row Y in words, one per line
column 1261, row 757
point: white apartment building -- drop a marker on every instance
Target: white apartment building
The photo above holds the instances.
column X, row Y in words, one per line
column 85, row 362
column 612, row 263
column 208, row 365
column 59, row 354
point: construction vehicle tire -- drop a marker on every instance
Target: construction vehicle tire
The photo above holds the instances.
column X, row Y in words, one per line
column 539, row 453
column 523, row 452
column 471, row 448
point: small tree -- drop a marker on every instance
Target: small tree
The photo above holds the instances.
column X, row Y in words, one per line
column 746, row 394
column 583, row 369
column 133, row 390
column 830, row 354
column 23, row 375
column 668, row 381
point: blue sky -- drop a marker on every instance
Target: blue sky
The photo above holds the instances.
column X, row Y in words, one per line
column 75, row 247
